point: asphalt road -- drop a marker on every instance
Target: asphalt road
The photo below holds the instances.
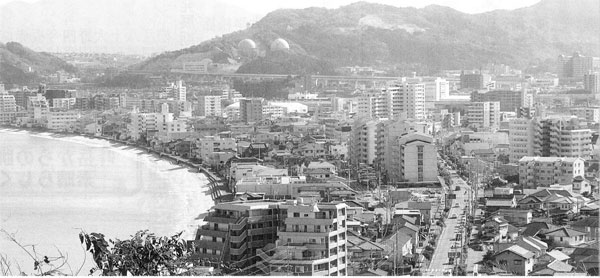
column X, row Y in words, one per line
column 439, row 260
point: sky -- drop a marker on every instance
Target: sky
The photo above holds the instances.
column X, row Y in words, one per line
column 467, row 6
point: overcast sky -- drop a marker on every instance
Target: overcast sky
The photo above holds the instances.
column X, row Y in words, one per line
column 467, row 6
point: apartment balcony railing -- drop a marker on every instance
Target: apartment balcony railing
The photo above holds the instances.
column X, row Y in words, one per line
column 240, row 250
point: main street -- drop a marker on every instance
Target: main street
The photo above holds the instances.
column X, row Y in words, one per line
column 453, row 226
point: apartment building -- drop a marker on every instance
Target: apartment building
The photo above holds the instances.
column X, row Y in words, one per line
column 591, row 82
column 546, row 171
column 363, row 142
column 405, row 100
column 234, row 231
column 8, row 108
column 62, row 120
column 312, row 241
column 510, row 101
column 209, row 106
column 590, row 114
column 209, row 145
column 485, row 115
column 403, row 152
column 563, row 137
column 251, row 110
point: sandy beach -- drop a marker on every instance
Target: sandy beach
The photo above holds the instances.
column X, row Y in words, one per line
column 53, row 185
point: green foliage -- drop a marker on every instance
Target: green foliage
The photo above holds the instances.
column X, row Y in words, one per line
column 143, row 255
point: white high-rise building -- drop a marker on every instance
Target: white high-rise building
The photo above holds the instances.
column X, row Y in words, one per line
column 406, row 100
column 8, row 106
column 436, row 89
column 521, row 138
column 363, row 142
column 484, row 115
column 546, row 171
column 210, row 106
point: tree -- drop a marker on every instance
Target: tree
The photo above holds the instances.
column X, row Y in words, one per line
column 143, row 255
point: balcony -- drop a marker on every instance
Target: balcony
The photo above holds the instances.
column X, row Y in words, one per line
column 240, row 237
column 213, row 245
column 240, row 250
column 261, row 231
column 207, row 231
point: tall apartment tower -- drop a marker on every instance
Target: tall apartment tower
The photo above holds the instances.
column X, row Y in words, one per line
column 521, row 137
column 180, row 91
column 312, row 242
column 362, row 147
column 234, row 231
column 251, row 110
column 210, row 106
column 574, row 66
column 484, row 115
column 563, row 137
column 591, row 82
column 406, row 100
column 8, row 106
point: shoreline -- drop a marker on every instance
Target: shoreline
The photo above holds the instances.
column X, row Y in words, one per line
column 117, row 145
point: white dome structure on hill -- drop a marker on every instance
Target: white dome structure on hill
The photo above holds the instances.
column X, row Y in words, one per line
column 280, row 45
column 247, row 47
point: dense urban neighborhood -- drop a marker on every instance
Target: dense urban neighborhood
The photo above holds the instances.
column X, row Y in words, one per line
column 367, row 171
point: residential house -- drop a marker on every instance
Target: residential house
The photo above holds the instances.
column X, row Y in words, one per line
column 321, row 165
column 554, row 255
column 555, row 268
column 516, row 260
column 399, row 246
column 494, row 204
column 495, row 229
column 581, row 185
column 565, row 236
column 315, row 150
column 589, row 226
column 518, row 217
column 360, row 247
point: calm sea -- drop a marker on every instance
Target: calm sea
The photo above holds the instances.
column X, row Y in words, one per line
column 51, row 187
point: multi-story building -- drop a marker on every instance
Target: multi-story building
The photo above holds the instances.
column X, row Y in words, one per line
column 234, row 231
column 209, row 106
column 38, row 108
column 510, row 101
column 371, row 106
column 141, row 123
column 209, row 145
column 272, row 112
column 405, row 100
column 417, row 159
column 312, row 242
column 590, row 114
column 8, row 107
column 563, row 137
column 391, row 146
column 484, row 115
column 251, row 110
column 474, row 80
column 22, row 97
column 363, row 142
column 521, row 138
column 591, row 82
column 62, row 120
column 63, row 103
column 574, row 66
column 436, row 89
column 546, row 171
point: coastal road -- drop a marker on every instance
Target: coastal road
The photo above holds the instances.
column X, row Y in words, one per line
column 439, row 260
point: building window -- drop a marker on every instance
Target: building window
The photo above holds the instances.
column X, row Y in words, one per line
column 296, row 214
column 518, row 262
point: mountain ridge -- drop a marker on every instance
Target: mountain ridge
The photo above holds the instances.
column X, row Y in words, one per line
column 435, row 36
column 21, row 65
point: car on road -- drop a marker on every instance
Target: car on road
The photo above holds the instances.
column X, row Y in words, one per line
column 447, row 272
column 453, row 216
